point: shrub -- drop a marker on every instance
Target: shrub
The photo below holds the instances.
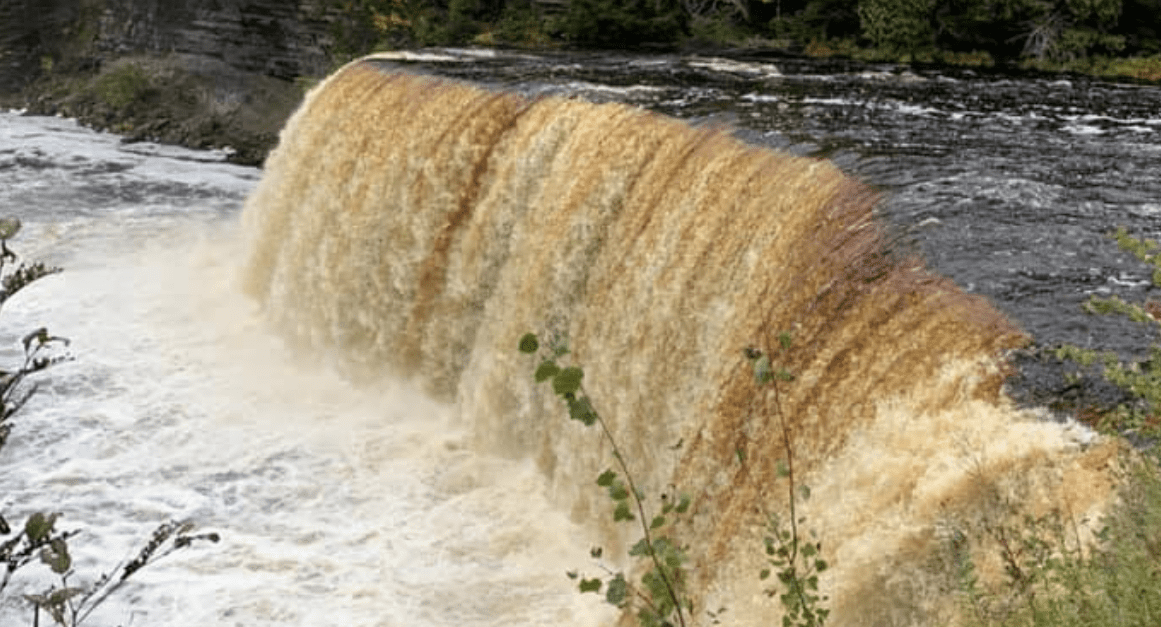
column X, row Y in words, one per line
column 1141, row 379
column 122, row 86
column 38, row 345
column 40, row 539
column 1054, row 578
column 897, row 25
column 661, row 599
column 619, row 23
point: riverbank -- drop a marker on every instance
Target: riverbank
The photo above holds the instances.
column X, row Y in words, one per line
column 198, row 101
column 189, row 100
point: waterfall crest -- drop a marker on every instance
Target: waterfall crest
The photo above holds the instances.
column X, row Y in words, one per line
column 413, row 226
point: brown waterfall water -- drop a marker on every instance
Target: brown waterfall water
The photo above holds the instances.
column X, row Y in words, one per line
column 416, row 227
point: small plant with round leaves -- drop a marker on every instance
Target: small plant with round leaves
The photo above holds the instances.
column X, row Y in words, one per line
column 39, row 539
column 660, row 598
column 795, row 561
column 69, row 604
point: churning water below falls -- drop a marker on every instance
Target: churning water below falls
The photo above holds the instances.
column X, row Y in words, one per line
column 458, row 494
column 336, row 505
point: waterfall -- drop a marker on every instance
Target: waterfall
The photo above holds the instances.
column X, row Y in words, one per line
column 416, row 227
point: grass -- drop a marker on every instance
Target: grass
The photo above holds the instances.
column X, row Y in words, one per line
column 1057, row 571
column 122, row 86
column 1140, row 68
column 1055, row 578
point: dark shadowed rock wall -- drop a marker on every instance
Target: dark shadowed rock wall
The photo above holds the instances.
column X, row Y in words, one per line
column 280, row 38
column 202, row 73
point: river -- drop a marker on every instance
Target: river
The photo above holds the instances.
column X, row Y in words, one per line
column 1008, row 182
column 367, row 505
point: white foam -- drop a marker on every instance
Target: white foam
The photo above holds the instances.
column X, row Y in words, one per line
column 730, row 66
column 336, row 505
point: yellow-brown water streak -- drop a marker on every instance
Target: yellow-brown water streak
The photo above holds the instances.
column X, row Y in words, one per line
column 416, row 226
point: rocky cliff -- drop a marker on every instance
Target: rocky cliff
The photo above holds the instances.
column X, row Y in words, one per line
column 277, row 38
column 195, row 72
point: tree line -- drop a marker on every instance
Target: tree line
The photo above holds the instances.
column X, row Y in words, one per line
column 1052, row 30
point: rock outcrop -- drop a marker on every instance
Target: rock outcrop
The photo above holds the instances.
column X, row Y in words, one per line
column 278, row 38
column 196, row 72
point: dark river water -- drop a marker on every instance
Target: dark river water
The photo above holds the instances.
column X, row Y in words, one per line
column 344, row 505
column 1007, row 183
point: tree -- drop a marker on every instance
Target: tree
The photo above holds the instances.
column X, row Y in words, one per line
column 621, row 23
column 897, row 25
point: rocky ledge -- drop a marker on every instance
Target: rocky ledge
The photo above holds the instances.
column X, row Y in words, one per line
column 183, row 99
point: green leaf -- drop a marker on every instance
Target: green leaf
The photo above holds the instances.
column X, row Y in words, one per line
column 784, row 339
column 763, row 373
column 590, row 585
column 529, row 343
column 804, row 492
column 546, row 370
column 9, row 227
column 572, row 574
column 764, row 575
column 606, row 478
column 658, row 521
column 617, row 591
column 567, row 381
column 38, row 526
column 683, row 503
column 640, row 549
column 622, row 512
column 784, row 375
column 581, row 409
column 56, row 555
column 618, row 491
column 741, row 455
column 596, row 552
column 782, row 469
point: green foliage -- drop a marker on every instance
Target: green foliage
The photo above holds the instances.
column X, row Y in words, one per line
column 40, row 539
column 1048, row 32
column 372, row 25
column 795, row 561
column 123, row 85
column 897, row 25
column 1141, row 379
column 70, row 605
column 523, row 24
column 1050, row 29
column 660, row 598
column 40, row 348
column 1143, row 249
column 717, row 29
column 1053, row 580
column 623, row 23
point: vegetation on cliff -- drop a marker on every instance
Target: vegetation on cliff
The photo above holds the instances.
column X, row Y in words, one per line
column 1088, row 35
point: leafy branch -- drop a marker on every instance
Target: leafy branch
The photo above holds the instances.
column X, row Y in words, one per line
column 68, row 605
column 797, row 561
column 1140, row 379
column 661, row 594
column 38, row 345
